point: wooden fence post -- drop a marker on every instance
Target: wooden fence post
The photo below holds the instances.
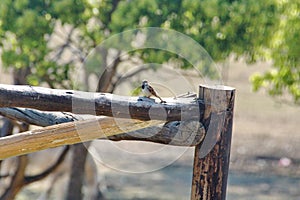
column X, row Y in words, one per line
column 211, row 159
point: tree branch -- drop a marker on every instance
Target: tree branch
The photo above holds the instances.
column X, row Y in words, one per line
column 17, row 181
column 104, row 83
column 31, row 179
column 98, row 103
column 62, row 48
column 121, row 78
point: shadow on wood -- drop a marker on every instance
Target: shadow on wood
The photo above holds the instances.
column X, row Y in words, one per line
column 211, row 159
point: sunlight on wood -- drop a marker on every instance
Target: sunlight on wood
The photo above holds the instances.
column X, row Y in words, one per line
column 65, row 134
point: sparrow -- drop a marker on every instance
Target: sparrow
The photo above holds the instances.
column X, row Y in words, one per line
column 149, row 91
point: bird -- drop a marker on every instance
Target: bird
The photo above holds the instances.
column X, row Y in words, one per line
column 149, row 91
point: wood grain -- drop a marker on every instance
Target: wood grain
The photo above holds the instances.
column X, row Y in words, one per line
column 106, row 104
column 177, row 133
column 65, row 134
column 211, row 159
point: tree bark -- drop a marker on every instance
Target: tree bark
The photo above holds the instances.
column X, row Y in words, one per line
column 17, row 181
column 38, row 118
column 174, row 133
column 77, row 172
column 98, row 103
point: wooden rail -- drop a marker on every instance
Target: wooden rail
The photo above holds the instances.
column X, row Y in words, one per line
column 64, row 134
column 106, row 104
column 205, row 122
column 188, row 133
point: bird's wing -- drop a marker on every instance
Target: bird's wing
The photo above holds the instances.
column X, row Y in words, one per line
column 152, row 91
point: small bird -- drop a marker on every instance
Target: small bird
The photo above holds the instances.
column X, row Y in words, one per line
column 149, row 91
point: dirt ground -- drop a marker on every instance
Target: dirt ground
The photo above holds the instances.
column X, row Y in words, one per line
column 265, row 148
column 264, row 156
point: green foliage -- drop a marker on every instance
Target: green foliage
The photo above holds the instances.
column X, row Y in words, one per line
column 284, row 50
column 226, row 27
column 136, row 91
column 24, row 25
column 69, row 11
column 255, row 30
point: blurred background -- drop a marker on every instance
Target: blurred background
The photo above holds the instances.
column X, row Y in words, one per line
column 254, row 46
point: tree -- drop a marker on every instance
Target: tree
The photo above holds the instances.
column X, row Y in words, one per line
column 284, row 50
column 221, row 27
column 36, row 36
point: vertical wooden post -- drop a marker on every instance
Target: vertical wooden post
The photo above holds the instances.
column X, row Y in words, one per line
column 211, row 159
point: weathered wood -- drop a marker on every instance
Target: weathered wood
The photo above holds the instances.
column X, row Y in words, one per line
column 179, row 133
column 36, row 117
column 211, row 161
column 106, row 104
column 188, row 133
column 64, row 134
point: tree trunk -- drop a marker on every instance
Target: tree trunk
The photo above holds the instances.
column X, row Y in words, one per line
column 105, row 80
column 80, row 151
column 7, row 129
column 17, row 181
column 77, row 171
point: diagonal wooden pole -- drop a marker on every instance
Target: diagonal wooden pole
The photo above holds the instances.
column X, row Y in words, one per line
column 211, row 159
column 188, row 133
column 66, row 134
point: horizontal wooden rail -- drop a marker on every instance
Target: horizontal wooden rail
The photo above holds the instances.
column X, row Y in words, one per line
column 106, row 104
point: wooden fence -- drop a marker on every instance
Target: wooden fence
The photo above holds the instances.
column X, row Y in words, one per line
column 204, row 122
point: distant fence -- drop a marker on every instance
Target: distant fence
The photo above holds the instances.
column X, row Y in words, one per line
column 204, row 122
